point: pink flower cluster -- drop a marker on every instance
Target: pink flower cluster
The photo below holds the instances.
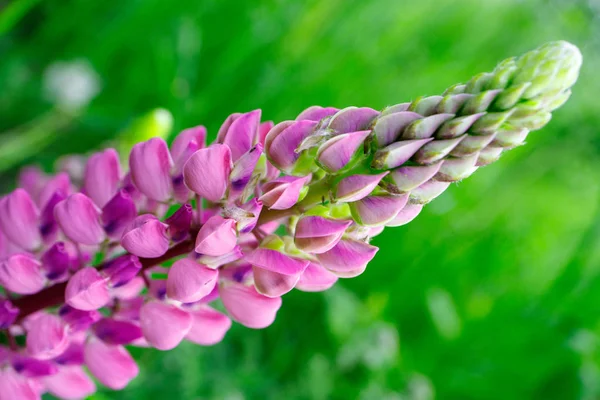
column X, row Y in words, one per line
column 140, row 258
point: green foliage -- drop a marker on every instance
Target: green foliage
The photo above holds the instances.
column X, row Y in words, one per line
column 491, row 293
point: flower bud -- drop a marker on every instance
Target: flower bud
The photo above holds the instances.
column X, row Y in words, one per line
column 274, row 273
column 102, row 176
column 377, row 210
column 79, row 219
column 180, row 223
column 22, row 274
column 115, row 332
column 146, row 237
column 19, row 220
column 425, row 127
column 316, row 234
column 87, row 290
column 47, row 337
column 70, row 383
column 348, row 258
column 78, row 320
column 283, row 141
column 56, row 261
column 436, row 150
column 247, row 306
column 111, row 365
column 150, row 166
column 352, row 119
column 8, row 313
column 164, row 325
column 283, row 193
column 455, row 169
column 407, row 214
column 189, row 281
column 242, row 133
column 208, row 326
column 388, row 127
column 216, row 237
column 207, row 171
column 341, row 150
column 315, row 278
column 118, row 213
column 121, row 270
column 428, row 191
column 397, row 153
column 355, row 187
column 405, row 179
column 316, row 113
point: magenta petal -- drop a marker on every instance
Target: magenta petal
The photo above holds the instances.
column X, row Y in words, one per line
column 390, row 126
column 316, row 279
column 114, row 331
column 111, row 365
column 118, row 213
column 164, row 325
column 284, row 192
column 242, row 134
column 79, row 219
column 356, row 187
column 59, row 183
column 247, row 306
column 32, row 367
column 276, row 261
column 216, row 261
column 263, row 130
column 87, row 290
column 150, row 164
column 180, row 222
column 283, row 144
column 217, row 236
column 102, row 176
column 207, row 171
column 338, row 151
column 377, row 210
column 316, row 234
column 273, row 284
column 348, row 258
column 32, row 180
column 47, row 337
column 78, row 320
column 8, row 313
column 407, row 214
column 70, row 383
column 146, row 237
column 19, row 220
column 316, row 113
column 247, row 215
column 187, row 143
column 189, row 281
column 243, row 169
column 352, row 119
column 208, row 327
column 22, row 274
column 225, row 127
column 14, row 386
column 397, row 153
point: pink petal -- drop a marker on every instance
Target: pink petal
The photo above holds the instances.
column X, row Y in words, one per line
column 207, row 171
column 283, row 144
column 22, row 274
column 284, row 192
column 348, row 258
column 397, row 153
column 79, row 219
column 150, row 164
column 111, row 365
column 187, row 143
column 356, row 187
column 189, row 281
column 164, row 325
column 87, row 290
column 70, row 383
column 263, row 130
column 390, row 126
column 316, row 279
column 243, row 169
column 19, row 220
column 13, row 386
column 273, row 284
column 114, row 331
column 216, row 237
column 225, row 127
column 352, row 119
column 242, row 134
column 59, row 183
column 247, row 306
column 315, row 234
column 208, row 327
column 47, row 337
column 102, row 176
column 338, row 151
column 316, row 113
column 146, row 237
column 32, row 180
column 407, row 214
column 377, row 210
column 276, row 261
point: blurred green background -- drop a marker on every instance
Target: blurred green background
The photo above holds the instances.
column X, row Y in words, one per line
column 492, row 293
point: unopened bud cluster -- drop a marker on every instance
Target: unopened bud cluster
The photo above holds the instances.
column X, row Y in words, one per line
column 103, row 256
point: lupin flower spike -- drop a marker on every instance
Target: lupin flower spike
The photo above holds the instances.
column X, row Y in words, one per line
column 195, row 225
